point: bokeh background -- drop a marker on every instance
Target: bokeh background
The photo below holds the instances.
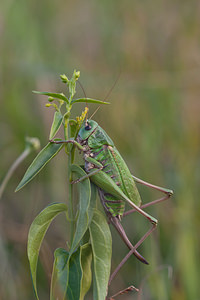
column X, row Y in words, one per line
column 154, row 120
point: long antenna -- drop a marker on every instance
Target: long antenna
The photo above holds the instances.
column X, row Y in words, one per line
column 112, row 87
column 94, row 112
column 107, row 95
column 85, row 98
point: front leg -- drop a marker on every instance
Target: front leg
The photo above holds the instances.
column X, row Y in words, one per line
column 97, row 165
column 68, row 142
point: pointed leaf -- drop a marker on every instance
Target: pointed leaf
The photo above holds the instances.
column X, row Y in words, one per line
column 86, row 261
column 67, row 274
column 85, row 211
column 89, row 100
column 60, row 96
column 73, row 133
column 36, row 234
column 73, row 127
column 45, row 155
column 102, row 250
column 59, row 278
column 93, row 202
column 75, row 275
column 57, row 121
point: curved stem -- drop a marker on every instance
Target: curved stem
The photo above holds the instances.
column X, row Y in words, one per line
column 11, row 170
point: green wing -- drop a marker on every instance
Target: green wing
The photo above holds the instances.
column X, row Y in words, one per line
column 116, row 168
column 127, row 185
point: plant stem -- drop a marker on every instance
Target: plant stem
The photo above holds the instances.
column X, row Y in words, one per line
column 70, row 197
column 70, row 187
column 16, row 163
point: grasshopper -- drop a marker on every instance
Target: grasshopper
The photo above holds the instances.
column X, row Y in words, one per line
column 116, row 186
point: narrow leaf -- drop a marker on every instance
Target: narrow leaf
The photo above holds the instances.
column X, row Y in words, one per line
column 60, row 96
column 102, row 250
column 89, row 100
column 86, row 261
column 59, row 278
column 73, row 127
column 44, row 156
column 36, row 234
column 84, row 203
column 73, row 132
column 93, row 202
column 75, row 275
column 57, row 121
column 67, row 274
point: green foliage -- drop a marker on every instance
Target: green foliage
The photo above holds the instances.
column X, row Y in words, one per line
column 101, row 248
column 71, row 275
column 89, row 100
column 87, row 202
column 153, row 120
column 36, row 235
column 57, row 122
column 86, row 261
column 45, row 155
column 67, row 273
column 60, row 96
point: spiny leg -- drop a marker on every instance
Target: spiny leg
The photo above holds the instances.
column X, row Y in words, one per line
column 96, row 164
column 156, row 187
column 115, row 220
column 118, row 226
column 117, row 191
column 147, row 204
column 124, row 291
column 142, row 212
column 68, row 142
column 168, row 193
column 131, row 252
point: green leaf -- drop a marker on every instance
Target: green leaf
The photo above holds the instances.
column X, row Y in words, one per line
column 85, row 210
column 59, row 277
column 60, row 96
column 89, row 100
column 86, row 261
column 36, row 234
column 44, row 156
column 93, row 202
column 75, row 275
column 73, row 133
column 102, row 250
column 73, row 127
column 57, row 121
column 67, row 274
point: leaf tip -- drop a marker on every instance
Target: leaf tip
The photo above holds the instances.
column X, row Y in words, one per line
column 19, row 187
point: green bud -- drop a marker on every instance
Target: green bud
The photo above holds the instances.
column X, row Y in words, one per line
column 77, row 75
column 55, row 106
column 61, row 102
column 64, row 78
column 32, row 142
column 50, row 99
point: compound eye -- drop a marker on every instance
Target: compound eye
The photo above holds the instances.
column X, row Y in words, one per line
column 88, row 127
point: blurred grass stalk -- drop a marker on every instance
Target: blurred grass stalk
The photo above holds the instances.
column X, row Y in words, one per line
column 31, row 144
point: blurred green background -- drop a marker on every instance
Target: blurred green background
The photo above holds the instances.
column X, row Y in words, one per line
column 154, row 120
